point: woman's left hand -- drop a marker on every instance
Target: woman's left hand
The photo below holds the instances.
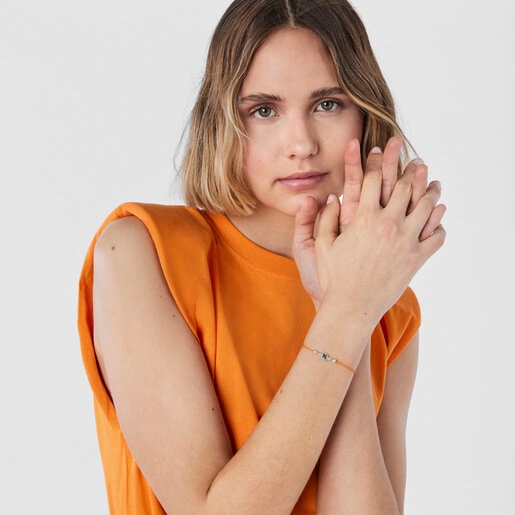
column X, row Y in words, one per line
column 387, row 163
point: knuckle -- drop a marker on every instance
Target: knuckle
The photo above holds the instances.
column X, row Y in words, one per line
column 440, row 236
column 427, row 202
column 404, row 186
column 436, row 239
column 373, row 174
column 374, row 161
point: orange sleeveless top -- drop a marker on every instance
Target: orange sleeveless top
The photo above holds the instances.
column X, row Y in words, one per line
column 249, row 312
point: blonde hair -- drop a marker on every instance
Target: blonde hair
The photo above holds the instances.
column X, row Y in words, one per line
column 212, row 170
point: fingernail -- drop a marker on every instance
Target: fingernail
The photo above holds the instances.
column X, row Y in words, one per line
column 438, row 184
column 376, row 150
column 417, row 161
column 330, row 199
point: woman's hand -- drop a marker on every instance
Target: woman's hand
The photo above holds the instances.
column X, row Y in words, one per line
column 366, row 265
column 305, row 221
column 386, row 165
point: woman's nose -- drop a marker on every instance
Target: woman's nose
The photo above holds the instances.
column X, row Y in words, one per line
column 300, row 139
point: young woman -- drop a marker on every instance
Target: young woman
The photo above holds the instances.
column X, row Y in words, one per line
column 256, row 351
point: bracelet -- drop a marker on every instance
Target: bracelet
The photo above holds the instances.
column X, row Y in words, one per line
column 324, row 356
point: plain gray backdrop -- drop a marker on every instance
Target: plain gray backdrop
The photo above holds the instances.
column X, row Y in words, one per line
column 93, row 99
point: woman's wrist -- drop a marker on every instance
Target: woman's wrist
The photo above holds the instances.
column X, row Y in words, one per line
column 342, row 334
column 347, row 312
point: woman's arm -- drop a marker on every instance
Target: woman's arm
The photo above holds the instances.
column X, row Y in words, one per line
column 363, row 466
column 363, row 463
column 393, row 415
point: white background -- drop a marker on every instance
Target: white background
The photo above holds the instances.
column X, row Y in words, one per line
column 93, row 99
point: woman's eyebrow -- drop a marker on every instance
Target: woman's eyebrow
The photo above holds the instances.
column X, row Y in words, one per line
column 259, row 97
column 265, row 97
column 327, row 92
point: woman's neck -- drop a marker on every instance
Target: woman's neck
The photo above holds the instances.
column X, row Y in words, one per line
column 268, row 229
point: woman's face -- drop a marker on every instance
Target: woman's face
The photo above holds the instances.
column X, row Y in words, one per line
column 298, row 122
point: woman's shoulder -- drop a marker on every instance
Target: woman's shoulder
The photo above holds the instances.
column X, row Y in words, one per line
column 180, row 236
column 167, row 225
column 128, row 236
column 162, row 215
column 146, row 241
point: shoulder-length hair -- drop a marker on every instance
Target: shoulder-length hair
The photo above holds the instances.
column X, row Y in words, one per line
column 212, row 169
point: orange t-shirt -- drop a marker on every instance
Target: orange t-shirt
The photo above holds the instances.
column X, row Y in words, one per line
column 250, row 314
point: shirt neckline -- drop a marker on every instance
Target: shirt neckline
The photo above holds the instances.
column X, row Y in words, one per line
column 250, row 251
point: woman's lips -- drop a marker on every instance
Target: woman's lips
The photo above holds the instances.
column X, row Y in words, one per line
column 303, row 180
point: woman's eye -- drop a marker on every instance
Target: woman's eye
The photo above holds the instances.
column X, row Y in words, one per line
column 263, row 112
column 327, row 105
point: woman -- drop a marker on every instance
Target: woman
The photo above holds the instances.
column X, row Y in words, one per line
column 256, row 352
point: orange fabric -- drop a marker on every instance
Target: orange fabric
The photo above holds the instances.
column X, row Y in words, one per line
column 249, row 312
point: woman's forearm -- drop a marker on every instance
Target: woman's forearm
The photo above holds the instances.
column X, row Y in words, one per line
column 275, row 463
column 353, row 476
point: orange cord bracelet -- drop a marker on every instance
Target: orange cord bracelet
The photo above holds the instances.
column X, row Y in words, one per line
column 324, row 356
